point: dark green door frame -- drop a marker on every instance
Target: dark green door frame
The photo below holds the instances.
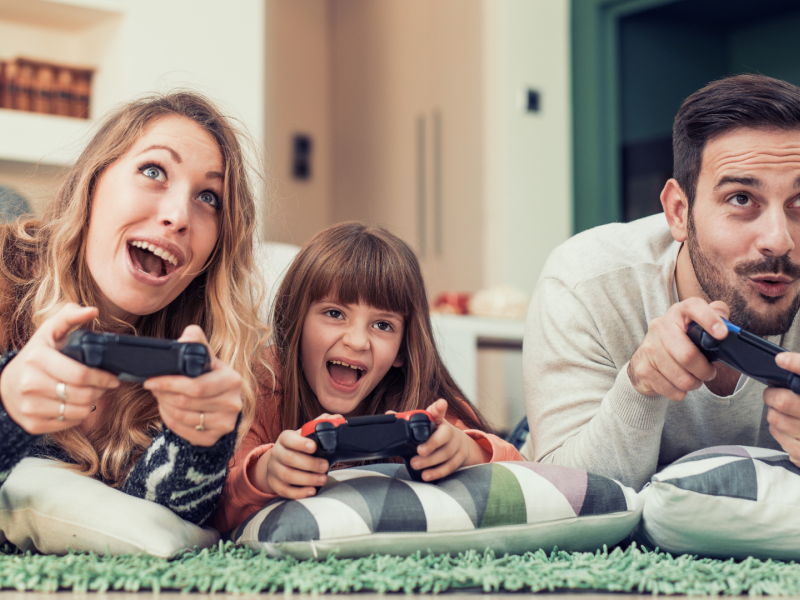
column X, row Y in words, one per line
column 597, row 172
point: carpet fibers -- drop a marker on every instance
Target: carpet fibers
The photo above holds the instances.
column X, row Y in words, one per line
column 227, row 568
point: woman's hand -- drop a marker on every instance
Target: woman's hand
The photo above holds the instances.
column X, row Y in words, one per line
column 28, row 384
column 288, row 469
column 447, row 449
column 201, row 409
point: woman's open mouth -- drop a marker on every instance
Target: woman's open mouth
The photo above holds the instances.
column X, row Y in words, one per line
column 343, row 375
column 152, row 260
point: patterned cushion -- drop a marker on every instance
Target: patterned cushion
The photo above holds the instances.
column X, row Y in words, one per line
column 48, row 508
column 726, row 501
column 509, row 507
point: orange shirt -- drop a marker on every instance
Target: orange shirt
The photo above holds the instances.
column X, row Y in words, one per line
column 241, row 498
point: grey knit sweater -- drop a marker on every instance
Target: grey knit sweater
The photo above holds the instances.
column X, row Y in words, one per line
column 186, row 479
column 589, row 313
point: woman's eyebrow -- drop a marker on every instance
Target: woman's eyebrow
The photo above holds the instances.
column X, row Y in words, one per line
column 175, row 156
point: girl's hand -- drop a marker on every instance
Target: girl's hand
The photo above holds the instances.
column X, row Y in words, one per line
column 199, row 409
column 447, row 449
column 288, row 469
column 28, row 384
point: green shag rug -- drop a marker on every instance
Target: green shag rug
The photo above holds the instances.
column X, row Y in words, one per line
column 232, row 569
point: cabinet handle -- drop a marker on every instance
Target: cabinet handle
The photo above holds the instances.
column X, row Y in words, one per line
column 421, row 184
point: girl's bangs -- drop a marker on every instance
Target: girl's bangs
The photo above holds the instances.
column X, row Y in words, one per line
column 365, row 270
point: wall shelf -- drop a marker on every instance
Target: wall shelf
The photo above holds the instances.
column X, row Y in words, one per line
column 41, row 139
column 68, row 15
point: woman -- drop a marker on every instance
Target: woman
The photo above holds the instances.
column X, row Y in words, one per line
column 150, row 234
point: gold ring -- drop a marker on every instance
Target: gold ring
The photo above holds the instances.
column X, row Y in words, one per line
column 61, row 391
column 61, row 408
column 200, row 426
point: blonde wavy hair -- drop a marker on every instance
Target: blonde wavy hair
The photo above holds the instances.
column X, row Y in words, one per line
column 44, row 265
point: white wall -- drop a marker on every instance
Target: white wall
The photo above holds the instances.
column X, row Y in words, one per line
column 527, row 165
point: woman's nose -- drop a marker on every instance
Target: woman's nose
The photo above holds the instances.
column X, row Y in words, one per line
column 174, row 211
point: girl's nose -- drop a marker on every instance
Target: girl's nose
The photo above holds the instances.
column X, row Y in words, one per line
column 356, row 338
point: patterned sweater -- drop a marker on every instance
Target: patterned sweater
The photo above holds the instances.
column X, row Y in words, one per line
column 186, row 479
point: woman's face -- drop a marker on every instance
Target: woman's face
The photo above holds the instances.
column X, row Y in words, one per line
column 155, row 217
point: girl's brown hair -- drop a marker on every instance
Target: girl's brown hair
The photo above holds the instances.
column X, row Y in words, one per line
column 352, row 263
column 44, row 266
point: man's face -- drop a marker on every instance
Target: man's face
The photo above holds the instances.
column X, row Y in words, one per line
column 744, row 227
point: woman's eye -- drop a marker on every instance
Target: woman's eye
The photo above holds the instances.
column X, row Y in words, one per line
column 210, row 198
column 740, row 199
column 153, row 172
column 384, row 326
column 335, row 314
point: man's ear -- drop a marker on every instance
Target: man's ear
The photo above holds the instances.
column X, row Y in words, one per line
column 676, row 209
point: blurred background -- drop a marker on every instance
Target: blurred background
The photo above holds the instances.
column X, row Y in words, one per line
column 483, row 132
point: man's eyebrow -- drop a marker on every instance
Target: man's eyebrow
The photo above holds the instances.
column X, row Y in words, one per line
column 743, row 180
column 175, row 156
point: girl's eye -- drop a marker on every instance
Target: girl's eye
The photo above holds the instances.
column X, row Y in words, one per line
column 333, row 313
column 153, row 172
column 384, row 326
column 210, row 198
column 740, row 200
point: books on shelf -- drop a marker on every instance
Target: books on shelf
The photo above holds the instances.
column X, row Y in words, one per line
column 46, row 88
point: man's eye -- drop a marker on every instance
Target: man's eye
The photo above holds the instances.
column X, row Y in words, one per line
column 335, row 314
column 384, row 326
column 153, row 172
column 210, row 198
column 741, row 199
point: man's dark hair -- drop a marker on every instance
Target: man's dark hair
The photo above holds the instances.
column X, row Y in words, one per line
column 753, row 101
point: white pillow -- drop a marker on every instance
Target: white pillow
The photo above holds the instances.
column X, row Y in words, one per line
column 509, row 507
column 726, row 501
column 45, row 507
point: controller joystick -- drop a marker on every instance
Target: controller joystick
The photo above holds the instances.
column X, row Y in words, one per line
column 326, row 434
column 746, row 353
column 367, row 438
column 134, row 358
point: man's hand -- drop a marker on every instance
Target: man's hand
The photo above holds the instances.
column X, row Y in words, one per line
column 667, row 363
column 783, row 415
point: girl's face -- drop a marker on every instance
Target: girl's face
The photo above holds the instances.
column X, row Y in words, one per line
column 346, row 350
column 155, row 217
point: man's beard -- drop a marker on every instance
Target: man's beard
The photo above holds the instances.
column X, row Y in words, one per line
column 715, row 287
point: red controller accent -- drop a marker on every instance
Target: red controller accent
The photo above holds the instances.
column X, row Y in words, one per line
column 311, row 426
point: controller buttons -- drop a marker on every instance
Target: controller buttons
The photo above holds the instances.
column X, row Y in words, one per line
column 326, row 434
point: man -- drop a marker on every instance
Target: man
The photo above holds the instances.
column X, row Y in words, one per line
column 613, row 383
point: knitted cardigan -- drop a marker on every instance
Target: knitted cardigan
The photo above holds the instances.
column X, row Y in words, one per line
column 186, row 479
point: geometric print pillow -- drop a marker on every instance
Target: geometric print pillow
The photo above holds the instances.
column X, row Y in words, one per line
column 726, row 501
column 510, row 507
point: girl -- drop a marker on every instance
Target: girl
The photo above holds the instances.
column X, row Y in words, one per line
column 352, row 337
column 151, row 234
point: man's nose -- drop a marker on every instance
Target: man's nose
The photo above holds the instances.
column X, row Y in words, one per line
column 775, row 235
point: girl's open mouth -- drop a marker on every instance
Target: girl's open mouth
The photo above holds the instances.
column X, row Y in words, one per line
column 343, row 374
column 152, row 260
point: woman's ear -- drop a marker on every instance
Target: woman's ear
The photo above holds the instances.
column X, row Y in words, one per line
column 676, row 209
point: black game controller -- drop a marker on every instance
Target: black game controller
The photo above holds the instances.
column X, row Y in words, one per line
column 134, row 358
column 747, row 353
column 366, row 438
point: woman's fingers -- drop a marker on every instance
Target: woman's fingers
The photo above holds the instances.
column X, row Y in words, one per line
column 56, row 328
